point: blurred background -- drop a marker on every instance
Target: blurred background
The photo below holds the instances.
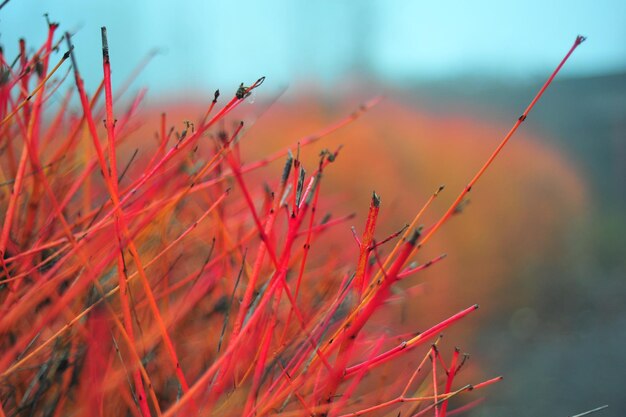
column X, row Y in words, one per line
column 541, row 246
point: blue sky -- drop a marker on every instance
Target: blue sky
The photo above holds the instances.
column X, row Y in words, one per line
column 209, row 44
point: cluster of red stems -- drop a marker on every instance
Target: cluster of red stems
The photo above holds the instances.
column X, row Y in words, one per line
column 155, row 291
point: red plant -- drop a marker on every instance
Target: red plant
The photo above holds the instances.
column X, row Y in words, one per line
column 178, row 285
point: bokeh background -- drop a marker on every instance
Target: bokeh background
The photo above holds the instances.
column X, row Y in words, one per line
column 541, row 246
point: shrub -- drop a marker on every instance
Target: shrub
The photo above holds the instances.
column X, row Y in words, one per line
column 167, row 279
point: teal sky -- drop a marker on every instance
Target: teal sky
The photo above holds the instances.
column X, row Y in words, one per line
column 211, row 44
